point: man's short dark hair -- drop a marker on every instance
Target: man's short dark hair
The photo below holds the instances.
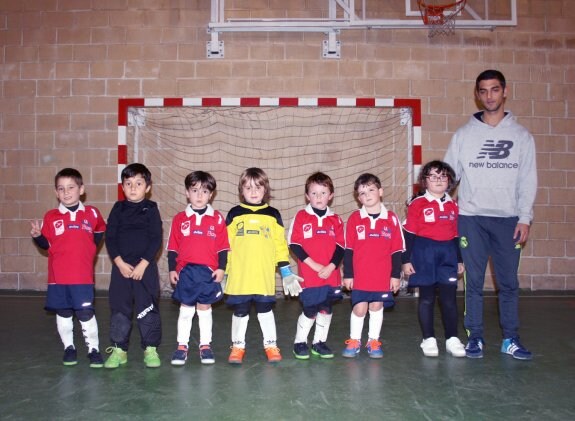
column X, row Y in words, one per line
column 488, row 75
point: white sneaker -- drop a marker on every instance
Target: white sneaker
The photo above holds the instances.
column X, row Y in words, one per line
column 454, row 347
column 429, row 347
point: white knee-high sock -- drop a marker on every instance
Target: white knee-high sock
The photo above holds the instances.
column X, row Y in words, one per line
column 205, row 322
column 268, row 327
column 322, row 323
column 90, row 331
column 185, row 320
column 375, row 324
column 65, row 327
column 239, row 329
column 355, row 326
column 304, row 325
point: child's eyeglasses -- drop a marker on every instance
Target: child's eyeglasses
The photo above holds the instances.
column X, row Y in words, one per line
column 435, row 178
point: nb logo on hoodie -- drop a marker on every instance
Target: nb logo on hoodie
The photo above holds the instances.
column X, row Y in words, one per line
column 492, row 150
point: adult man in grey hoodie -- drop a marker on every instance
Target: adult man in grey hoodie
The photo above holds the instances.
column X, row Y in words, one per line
column 494, row 160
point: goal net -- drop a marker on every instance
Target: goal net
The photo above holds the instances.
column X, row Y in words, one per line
column 287, row 142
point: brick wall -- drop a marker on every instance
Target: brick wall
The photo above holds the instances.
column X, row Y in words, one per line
column 65, row 63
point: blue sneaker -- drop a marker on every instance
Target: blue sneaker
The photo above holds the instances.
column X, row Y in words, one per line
column 180, row 355
column 206, row 354
column 352, row 348
column 301, row 351
column 320, row 349
column 374, row 349
column 513, row 347
column 474, row 348
column 70, row 356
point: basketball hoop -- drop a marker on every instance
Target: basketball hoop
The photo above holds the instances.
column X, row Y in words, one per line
column 440, row 18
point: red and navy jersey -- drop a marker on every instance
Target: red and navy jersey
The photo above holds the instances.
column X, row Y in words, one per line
column 72, row 249
column 318, row 237
column 373, row 241
column 433, row 218
column 198, row 238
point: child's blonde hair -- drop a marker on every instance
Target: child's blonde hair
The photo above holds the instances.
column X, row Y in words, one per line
column 259, row 177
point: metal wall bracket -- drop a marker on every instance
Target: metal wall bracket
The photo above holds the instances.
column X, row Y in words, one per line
column 215, row 48
column 331, row 47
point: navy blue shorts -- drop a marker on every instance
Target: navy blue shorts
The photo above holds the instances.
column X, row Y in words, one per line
column 196, row 285
column 234, row 300
column 434, row 262
column 320, row 298
column 385, row 297
column 75, row 297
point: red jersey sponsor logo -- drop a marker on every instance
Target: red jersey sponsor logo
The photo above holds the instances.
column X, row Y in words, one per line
column 185, row 228
column 429, row 215
column 59, row 227
column 307, row 230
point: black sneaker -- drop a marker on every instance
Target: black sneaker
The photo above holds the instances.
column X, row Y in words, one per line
column 70, row 356
column 301, row 351
column 320, row 349
column 96, row 360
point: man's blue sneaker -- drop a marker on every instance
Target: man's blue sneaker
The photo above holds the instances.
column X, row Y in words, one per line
column 513, row 347
column 474, row 348
column 320, row 349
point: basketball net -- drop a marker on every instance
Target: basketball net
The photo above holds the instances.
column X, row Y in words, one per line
column 440, row 18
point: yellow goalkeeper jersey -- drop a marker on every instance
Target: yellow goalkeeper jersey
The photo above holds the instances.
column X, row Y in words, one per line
column 258, row 244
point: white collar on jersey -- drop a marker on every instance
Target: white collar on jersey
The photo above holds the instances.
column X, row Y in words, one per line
column 440, row 201
column 190, row 211
column 309, row 210
column 64, row 210
column 382, row 214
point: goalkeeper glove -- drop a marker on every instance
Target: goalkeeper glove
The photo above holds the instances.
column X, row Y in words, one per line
column 290, row 281
column 224, row 282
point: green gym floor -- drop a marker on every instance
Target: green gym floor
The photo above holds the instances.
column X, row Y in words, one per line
column 404, row 385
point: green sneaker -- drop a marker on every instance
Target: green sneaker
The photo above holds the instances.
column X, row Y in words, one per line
column 118, row 357
column 151, row 357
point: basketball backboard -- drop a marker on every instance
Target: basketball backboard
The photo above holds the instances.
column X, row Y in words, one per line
column 333, row 16
column 476, row 13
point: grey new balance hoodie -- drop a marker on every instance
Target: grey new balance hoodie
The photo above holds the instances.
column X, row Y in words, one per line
column 495, row 167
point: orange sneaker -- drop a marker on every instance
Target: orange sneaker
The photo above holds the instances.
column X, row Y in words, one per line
column 237, row 355
column 273, row 354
